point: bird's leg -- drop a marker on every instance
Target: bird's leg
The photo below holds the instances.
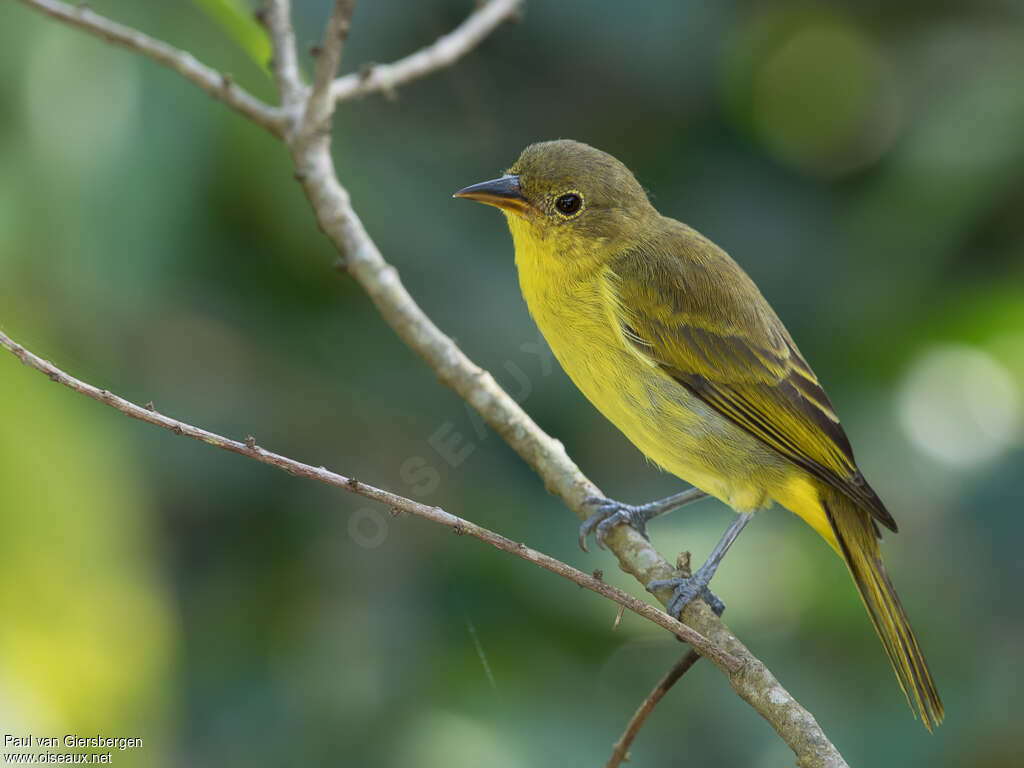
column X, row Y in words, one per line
column 697, row 584
column 610, row 513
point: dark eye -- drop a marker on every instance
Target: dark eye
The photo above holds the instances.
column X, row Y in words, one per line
column 569, row 203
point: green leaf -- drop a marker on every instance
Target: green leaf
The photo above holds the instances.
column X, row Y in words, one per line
column 240, row 24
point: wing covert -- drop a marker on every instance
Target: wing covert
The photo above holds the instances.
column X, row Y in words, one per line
column 728, row 348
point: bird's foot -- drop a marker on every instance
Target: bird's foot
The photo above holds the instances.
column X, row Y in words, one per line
column 686, row 590
column 609, row 513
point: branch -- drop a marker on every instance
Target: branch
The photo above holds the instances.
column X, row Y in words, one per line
column 621, row 750
column 277, row 16
column 444, row 52
column 218, row 85
column 320, row 105
column 249, row 448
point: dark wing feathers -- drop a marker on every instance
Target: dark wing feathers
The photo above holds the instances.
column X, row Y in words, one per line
column 727, row 347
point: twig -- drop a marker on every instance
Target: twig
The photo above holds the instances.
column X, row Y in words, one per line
column 320, row 105
column 277, row 15
column 350, row 484
column 621, row 750
column 443, row 52
column 221, row 87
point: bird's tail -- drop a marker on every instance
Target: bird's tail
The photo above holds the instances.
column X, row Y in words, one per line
column 858, row 543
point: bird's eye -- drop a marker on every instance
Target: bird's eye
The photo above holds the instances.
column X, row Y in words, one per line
column 569, row 203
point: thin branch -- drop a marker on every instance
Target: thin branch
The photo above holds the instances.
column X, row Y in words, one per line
column 218, row 85
column 443, row 52
column 277, row 15
column 320, row 105
column 350, row 484
column 621, row 750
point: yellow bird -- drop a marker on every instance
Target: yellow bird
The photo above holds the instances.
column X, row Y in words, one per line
column 671, row 340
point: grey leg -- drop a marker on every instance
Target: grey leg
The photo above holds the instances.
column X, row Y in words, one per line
column 611, row 513
column 687, row 589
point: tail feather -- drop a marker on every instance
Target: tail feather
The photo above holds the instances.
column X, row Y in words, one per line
column 858, row 544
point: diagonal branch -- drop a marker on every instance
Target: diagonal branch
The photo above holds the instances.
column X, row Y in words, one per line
column 218, row 85
column 444, row 52
column 320, row 105
column 350, row 484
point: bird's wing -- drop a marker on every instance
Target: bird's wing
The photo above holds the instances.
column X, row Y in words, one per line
column 699, row 317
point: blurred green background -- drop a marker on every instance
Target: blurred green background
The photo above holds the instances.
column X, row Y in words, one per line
column 863, row 161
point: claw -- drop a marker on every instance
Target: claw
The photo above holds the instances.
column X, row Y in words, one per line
column 685, row 591
column 610, row 513
column 619, row 517
column 588, row 525
column 714, row 601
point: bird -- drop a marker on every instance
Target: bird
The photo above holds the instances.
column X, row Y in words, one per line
column 667, row 336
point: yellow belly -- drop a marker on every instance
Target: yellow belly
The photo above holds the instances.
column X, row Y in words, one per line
column 670, row 426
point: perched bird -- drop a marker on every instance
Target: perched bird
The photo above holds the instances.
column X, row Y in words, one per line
column 671, row 340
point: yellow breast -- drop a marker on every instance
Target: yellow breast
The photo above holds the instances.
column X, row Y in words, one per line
column 569, row 300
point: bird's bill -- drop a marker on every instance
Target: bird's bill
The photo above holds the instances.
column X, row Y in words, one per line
column 502, row 193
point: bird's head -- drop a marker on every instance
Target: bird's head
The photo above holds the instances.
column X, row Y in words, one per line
column 568, row 195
